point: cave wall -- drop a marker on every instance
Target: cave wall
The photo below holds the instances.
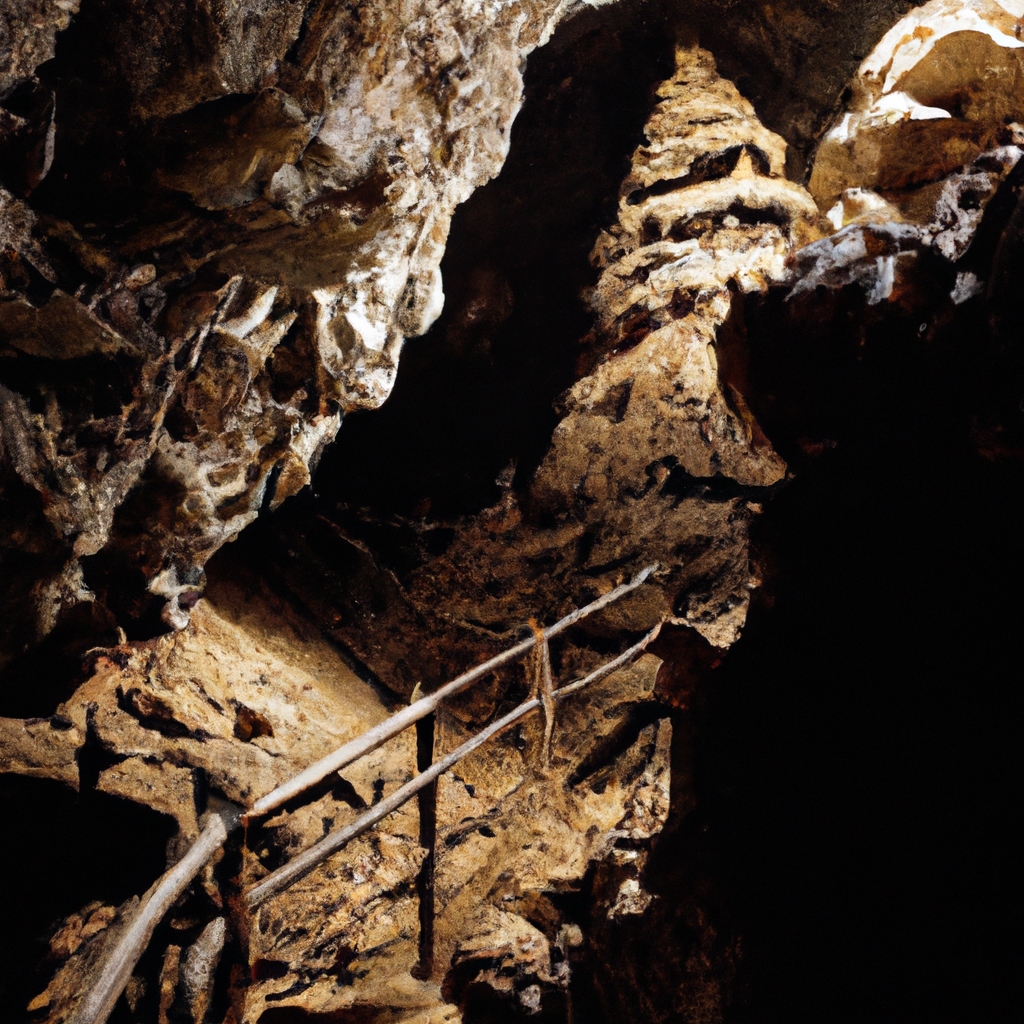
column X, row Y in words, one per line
column 220, row 229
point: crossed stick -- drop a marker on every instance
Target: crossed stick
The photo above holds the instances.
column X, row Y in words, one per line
column 119, row 961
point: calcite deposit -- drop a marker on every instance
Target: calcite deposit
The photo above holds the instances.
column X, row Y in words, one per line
column 657, row 457
column 225, row 701
column 934, row 126
column 214, row 253
column 657, row 460
column 227, row 708
column 513, row 833
column 28, row 31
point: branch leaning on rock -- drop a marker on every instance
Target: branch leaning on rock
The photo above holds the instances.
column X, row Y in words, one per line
column 401, row 720
column 297, row 867
column 117, row 964
column 119, row 960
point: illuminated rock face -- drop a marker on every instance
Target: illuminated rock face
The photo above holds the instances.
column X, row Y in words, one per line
column 935, row 124
column 704, row 213
column 936, row 93
column 214, row 252
column 657, row 457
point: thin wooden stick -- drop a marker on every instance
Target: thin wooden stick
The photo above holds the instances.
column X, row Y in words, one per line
column 119, row 960
column 401, row 720
column 546, row 688
column 301, row 865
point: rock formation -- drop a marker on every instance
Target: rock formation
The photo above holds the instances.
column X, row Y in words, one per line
column 932, row 131
column 213, row 254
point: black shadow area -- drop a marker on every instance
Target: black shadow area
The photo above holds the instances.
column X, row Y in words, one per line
column 60, row 851
column 859, row 749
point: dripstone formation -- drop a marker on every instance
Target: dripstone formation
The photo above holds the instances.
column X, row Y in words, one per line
column 219, row 223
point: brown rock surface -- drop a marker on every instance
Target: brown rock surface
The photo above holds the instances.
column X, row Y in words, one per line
column 934, row 126
column 511, row 831
column 656, row 458
column 28, row 31
column 934, row 94
column 196, row 288
column 245, row 696
column 216, row 254
column 236, row 704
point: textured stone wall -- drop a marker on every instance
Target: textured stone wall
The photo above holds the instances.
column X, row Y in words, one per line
column 219, row 224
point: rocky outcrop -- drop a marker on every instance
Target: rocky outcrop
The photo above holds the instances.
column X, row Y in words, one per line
column 211, row 254
column 231, row 707
column 28, row 32
column 933, row 128
column 673, row 463
column 209, row 258
column 246, row 696
column 657, row 457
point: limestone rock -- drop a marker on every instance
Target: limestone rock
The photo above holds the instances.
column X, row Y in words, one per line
column 193, row 293
column 511, row 831
column 345, row 935
column 185, row 320
column 934, row 126
column 218, row 700
column 234, row 705
column 657, row 457
column 78, row 945
column 199, row 966
column 934, row 94
column 42, row 748
column 705, row 207
column 793, row 58
column 244, row 697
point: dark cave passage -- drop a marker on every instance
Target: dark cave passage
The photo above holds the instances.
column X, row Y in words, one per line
column 860, row 763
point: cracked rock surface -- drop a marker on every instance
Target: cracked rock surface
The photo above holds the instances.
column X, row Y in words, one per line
column 211, row 254
column 234, row 705
column 215, row 253
column 244, row 694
